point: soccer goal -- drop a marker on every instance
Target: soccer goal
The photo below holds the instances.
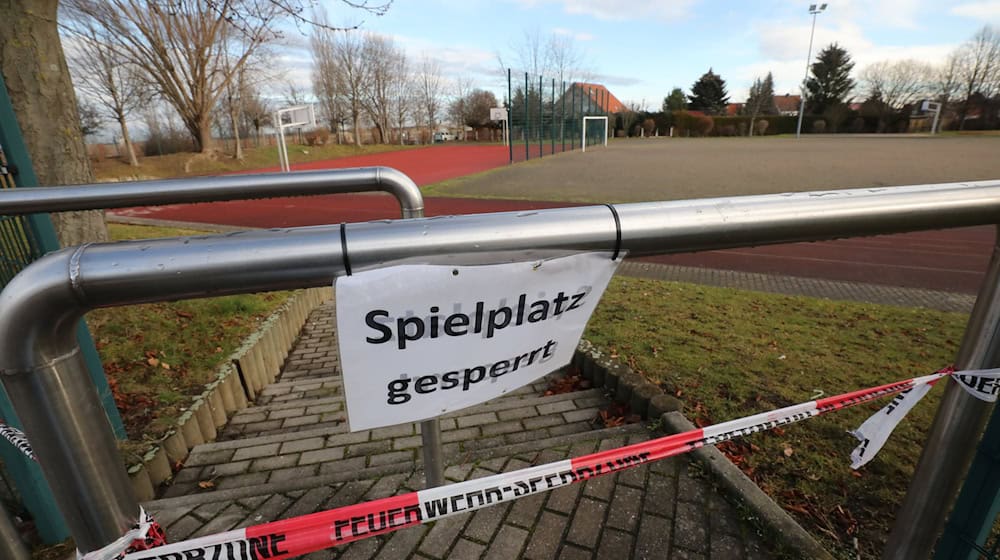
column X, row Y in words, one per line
column 583, row 140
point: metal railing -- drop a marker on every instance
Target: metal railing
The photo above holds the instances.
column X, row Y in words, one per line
column 207, row 189
column 236, row 187
column 42, row 370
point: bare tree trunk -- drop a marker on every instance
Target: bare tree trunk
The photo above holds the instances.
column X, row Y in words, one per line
column 128, row 142
column 238, row 152
column 38, row 81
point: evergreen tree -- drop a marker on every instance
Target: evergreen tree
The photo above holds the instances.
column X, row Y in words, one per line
column 760, row 101
column 708, row 94
column 676, row 101
column 831, row 81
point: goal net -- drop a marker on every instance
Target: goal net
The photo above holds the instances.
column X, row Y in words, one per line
column 595, row 132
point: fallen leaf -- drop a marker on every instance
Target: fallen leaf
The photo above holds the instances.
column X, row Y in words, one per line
column 184, row 314
column 164, row 365
column 788, row 451
column 153, row 362
column 206, row 484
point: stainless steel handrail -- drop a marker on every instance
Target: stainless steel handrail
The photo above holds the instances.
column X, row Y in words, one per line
column 42, row 369
column 28, row 200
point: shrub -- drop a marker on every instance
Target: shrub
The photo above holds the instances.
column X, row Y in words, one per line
column 648, row 126
column 318, row 137
column 819, row 126
column 762, row 125
column 168, row 142
column 689, row 124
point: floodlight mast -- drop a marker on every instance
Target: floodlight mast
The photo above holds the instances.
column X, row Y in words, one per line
column 802, row 103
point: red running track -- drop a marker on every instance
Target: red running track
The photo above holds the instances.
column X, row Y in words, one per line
column 950, row 260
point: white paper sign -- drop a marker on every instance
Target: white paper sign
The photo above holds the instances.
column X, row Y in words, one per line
column 418, row 341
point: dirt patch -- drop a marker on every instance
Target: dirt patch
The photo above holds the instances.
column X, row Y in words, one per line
column 650, row 169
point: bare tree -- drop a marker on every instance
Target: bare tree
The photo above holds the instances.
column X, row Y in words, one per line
column 401, row 94
column 256, row 109
column 428, row 92
column 294, row 95
column 105, row 76
column 352, row 78
column 945, row 80
column 325, row 72
column 182, row 45
column 382, row 58
column 566, row 60
column 531, row 54
column 232, row 104
column 896, row 84
column 191, row 50
column 458, row 109
column 978, row 68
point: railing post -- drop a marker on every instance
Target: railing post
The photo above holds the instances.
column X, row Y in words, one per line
column 27, row 476
column 956, row 429
column 11, row 545
column 430, row 430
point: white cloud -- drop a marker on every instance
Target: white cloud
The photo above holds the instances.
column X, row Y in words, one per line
column 783, row 47
column 623, row 10
column 986, row 11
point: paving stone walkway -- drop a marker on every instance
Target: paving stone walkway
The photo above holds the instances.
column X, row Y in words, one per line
column 797, row 286
column 291, row 454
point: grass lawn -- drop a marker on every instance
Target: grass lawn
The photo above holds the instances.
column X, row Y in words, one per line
column 728, row 353
column 173, row 165
column 158, row 356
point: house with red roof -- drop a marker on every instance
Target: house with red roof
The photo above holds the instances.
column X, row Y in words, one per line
column 788, row 105
column 593, row 98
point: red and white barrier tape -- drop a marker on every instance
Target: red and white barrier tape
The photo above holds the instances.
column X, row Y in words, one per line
column 17, row 439
column 301, row 535
column 144, row 535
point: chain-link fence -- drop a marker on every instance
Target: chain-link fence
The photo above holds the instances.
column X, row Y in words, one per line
column 546, row 116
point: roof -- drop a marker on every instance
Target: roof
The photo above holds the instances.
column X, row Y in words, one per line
column 601, row 97
column 734, row 109
column 787, row 102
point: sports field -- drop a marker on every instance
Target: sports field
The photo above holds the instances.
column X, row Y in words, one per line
column 463, row 179
column 669, row 169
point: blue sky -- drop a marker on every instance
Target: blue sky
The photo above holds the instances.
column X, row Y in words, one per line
column 641, row 49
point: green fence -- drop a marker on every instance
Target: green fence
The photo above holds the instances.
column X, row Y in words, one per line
column 18, row 245
column 546, row 115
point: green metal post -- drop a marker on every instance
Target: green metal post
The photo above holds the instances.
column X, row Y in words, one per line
column 978, row 502
column 42, row 236
column 562, row 119
column 510, row 120
column 552, row 121
column 541, row 119
column 527, row 119
column 572, row 119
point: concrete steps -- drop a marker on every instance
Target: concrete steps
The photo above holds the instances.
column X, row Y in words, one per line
column 553, row 513
column 262, row 475
column 319, row 403
column 320, row 448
